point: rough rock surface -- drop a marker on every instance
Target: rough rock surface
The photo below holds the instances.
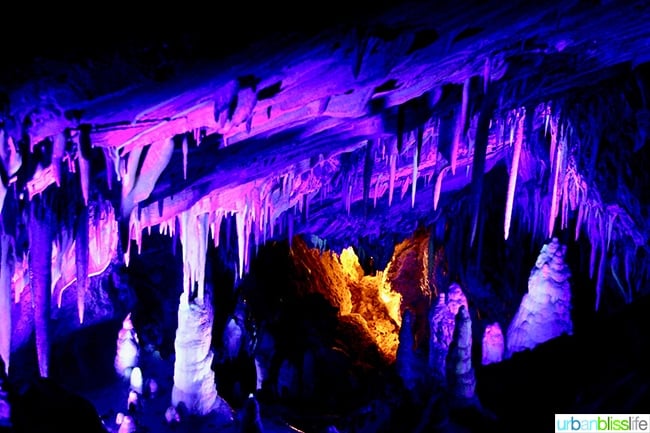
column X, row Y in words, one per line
column 460, row 373
column 493, row 344
column 128, row 348
column 194, row 383
column 545, row 311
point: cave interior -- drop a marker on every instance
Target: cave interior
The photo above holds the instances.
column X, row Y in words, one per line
column 366, row 217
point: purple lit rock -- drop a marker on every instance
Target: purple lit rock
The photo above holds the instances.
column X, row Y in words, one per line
column 493, row 344
column 194, row 383
column 406, row 356
column 545, row 311
column 460, row 373
column 442, row 321
column 263, row 355
column 456, row 298
column 5, row 409
column 442, row 330
column 128, row 349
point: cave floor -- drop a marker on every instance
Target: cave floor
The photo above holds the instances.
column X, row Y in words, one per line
column 111, row 399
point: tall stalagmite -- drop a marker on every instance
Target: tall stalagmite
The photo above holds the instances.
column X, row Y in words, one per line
column 460, row 373
column 194, row 383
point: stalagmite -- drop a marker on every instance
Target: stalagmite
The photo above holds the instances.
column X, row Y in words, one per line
column 82, row 255
column 493, row 344
column 545, row 311
column 460, row 373
column 127, row 353
column 460, row 126
column 512, row 181
column 5, row 407
column 441, row 322
column 406, row 359
column 127, row 425
column 194, row 383
column 136, row 380
column 250, row 420
column 6, row 273
column 40, row 271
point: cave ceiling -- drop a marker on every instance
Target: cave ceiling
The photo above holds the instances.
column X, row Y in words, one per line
column 333, row 128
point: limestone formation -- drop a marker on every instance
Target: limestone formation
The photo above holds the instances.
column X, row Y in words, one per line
column 545, row 311
column 128, row 425
column 441, row 324
column 250, row 421
column 455, row 298
column 136, row 381
column 493, row 344
column 460, row 373
column 128, row 349
column 5, row 409
column 194, row 383
column 407, row 365
column 442, row 321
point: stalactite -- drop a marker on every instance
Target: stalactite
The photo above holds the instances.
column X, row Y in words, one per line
column 611, row 218
column 58, row 149
column 374, row 199
column 478, row 165
column 416, row 162
column 392, row 161
column 512, row 181
column 82, row 255
column 40, row 271
column 601, row 265
column 553, row 144
column 83, row 155
column 109, row 169
column 241, row 244
column 579, row 219
column 460, row 126
column 593, row 234
column 216, row 218
column 194, row 241
column 369, row 162
column 6, row 273
column 185, row 151
column 554, row 190
column 438, row 188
